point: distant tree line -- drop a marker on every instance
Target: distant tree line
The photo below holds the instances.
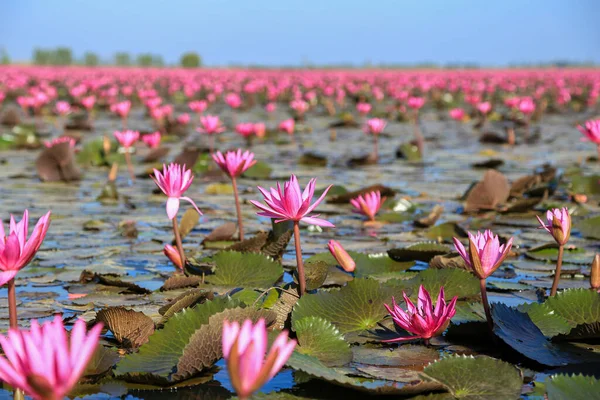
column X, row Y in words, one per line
column 64, row 56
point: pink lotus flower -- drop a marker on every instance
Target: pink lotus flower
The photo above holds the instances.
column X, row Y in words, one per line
column 416, row 102
column 485, row 253
column 122, row 108
column 270, row 107
column 591, row 131
column 198, row 106
column 16, row 251
column 363, row 108
column 484, row 107
column 62, row 108
column 174, row 181
column 59, row 140
column 512, row 102
column 127, row 138
column 211, row 124
column 244, row 349
column 245, row 129
column 44, row 361
column 233, row 100
column 374, row 126
column 287, row 126
column 183, row 119
column 457, row 114
column 234, row 163
column 260, row 129
column 173, row 254
column 299, row 106
column 558, row 224
column 424, row 321
column 291, row 204
column 25, row 102
column 368, row 205
column 527, row 106
column 341, row 256
column 152, row 139
column 88, row 102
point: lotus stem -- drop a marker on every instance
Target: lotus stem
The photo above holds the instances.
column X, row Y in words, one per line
column 486, row 305
column 178, row 241
column 376, row 147
column 129, row 165
column 559, row 260
column 511, row 136
column 12, row 304
column 417, row 133
column 238, row 209
column 300, row 265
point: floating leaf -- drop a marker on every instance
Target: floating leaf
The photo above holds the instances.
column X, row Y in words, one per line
column 465, row 378
column 315, row 272
column 219, row 188
column 185, row 300
column 550, row 253
column 585, row 184
column 221, row 233
column 247, row 270
column 205, row 345
column 317, row 337
column 576, row 306
column 155, row 361
column 346, row 197
column 407, row 355
column 590, row 227
column 104, row 358
column 260, row 170
column 366, row 264
column 572, row 387
column 418, row 252
column 456, row 282
column 355, row 307
column 180, row 282
column 518, row 331
column 130, row 328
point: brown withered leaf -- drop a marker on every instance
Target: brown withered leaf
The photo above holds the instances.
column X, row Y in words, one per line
column 188, row 222
column 156, row 154
column 346, row 197
column 283, row 308
column 205, row 345
column 185, row 300
column 10, row 116
column 452, row 260
column 187, row 157
column 223, row 232
column 130, row 328
column 251, row 245
column 275, row 248
column 57, row 163
column 430, row 219
column 523, row 184
column 180, row 282
column 491, row 191
column 112, row 280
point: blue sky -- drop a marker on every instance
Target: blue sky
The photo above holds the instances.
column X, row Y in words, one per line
column 286, row 32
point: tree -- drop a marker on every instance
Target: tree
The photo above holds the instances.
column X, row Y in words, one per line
column 91, row 59
column 157, row 61
column 62, row 56
column 41, row 56
column 144, row 60
column 190, row 60
column 122, row 59
column 4, row 57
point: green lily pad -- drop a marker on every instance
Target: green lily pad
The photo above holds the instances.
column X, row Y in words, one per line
column 155, row 361
column 550, row 323
column 456, row 282
column 585, row 184
column 590, row 227
column 248, row 270
column 550, row 253
column 446, row 231
column 463, row 377
column 317, row 337
column 419, row 252
column 314, row 367
column 572, row 387
column 355, row 307
column 260, row 170
column 409, row 152
column 218, row 188
column 366, row 264
column 517, row 330
column 575, row 306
